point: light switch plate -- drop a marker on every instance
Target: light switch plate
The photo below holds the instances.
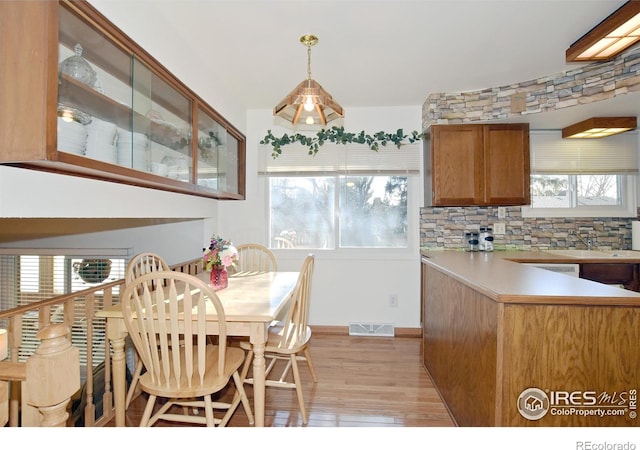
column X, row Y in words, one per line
column 499, row 228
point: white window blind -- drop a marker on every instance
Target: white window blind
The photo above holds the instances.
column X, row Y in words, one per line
column 31, row 276
column 346, row 159
column 550, row 154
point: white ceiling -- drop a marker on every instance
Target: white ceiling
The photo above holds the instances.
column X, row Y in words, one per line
column 376, row 52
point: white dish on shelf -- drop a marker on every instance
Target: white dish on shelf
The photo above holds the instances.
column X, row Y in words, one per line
column 70, row 127
column 72, row 136
column 159, row 169
column 103, row 152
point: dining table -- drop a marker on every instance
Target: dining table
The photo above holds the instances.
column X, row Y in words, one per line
column 251, row 304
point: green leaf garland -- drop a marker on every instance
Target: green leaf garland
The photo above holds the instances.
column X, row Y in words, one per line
column 338, row 135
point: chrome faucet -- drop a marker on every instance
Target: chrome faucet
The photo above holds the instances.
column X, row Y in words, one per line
column 588, row 242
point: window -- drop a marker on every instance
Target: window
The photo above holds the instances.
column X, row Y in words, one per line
column 583, row 177
column 372, row 211
column 341, row 198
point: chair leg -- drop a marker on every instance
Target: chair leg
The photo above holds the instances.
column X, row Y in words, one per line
column 312, row 369
column 144, row 422
column 296, row 379
column 243, row 397
column 247, row 365
column 134, row 383
column 208, row 410
column 240, row 395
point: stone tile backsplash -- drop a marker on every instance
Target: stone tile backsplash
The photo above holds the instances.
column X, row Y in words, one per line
column 444, row 227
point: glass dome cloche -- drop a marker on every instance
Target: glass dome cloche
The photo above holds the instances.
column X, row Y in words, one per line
column 78, row 68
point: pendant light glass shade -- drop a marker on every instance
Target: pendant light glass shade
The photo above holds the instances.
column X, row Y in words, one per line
column 308, row 103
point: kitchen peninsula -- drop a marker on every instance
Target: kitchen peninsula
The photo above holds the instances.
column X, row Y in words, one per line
column 513, row 345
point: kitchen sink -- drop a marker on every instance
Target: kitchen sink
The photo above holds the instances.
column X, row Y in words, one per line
column 624, row 253
column 599, row 254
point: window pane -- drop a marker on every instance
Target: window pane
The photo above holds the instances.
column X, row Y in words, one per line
column 598, row 190
column 373, row 211
column 302, row 211
column 556, row 191
column 550, row 191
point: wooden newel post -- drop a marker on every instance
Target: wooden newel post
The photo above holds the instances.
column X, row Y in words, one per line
column 53, row 375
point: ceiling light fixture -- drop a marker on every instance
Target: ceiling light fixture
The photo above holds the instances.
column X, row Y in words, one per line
column 309, row 101
column 598, row 127
column 609, row 38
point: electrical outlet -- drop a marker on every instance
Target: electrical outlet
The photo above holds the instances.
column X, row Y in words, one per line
column 393, row 300
column 502, row 213
column 499, row 228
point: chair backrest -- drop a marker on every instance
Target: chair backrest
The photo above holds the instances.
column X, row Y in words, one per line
column 165, row 336
column 297, row 318
column 283, row 243
column 254, row 259
column 144, row 263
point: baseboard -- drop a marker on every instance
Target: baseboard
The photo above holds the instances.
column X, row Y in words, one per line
column 344, row 331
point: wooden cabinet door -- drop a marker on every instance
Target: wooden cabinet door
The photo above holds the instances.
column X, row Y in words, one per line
column 456, row 165
column 618, row 274
column 506, row 164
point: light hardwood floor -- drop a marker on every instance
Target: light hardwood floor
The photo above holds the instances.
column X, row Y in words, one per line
column 362, row 382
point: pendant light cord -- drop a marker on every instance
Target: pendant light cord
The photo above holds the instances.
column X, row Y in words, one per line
column 309, row 61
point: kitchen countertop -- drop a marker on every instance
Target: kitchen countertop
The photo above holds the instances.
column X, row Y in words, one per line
column 499, row 276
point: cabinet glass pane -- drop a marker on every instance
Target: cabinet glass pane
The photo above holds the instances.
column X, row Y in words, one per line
column 212, row 139
column 94, row 94
column 228, row 164
column 163, row 115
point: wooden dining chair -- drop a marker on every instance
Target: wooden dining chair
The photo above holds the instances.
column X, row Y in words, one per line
column 283, row 242
column 254, row 259
column 289, row 340
column 141, row 264
column 168, row 326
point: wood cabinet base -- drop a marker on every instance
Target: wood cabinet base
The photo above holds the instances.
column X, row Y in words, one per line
column 508, row 364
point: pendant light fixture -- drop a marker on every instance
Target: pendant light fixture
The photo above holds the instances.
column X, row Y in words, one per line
column 308, row 102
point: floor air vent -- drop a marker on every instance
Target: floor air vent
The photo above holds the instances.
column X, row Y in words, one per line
column 371, row 329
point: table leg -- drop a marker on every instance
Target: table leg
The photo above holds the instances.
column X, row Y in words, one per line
column 258, row 340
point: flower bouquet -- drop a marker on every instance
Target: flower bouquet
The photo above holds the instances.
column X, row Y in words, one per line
column 217, row 257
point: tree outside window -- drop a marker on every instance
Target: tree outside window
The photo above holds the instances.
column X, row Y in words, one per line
column 371, row 213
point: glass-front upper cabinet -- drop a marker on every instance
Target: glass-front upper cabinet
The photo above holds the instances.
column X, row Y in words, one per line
column 82, row 98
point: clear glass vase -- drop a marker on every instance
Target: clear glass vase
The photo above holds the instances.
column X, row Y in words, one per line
column 219, row 278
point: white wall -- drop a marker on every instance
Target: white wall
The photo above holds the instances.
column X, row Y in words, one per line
column 349, row 286
column 29, row 194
